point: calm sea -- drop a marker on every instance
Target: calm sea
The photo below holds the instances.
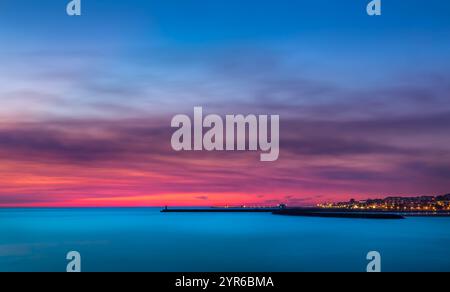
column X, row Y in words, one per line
column 146, row 240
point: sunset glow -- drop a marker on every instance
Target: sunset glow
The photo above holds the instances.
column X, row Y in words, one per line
column 86, row 107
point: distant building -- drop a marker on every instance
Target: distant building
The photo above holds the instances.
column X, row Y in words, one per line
column 420, row 203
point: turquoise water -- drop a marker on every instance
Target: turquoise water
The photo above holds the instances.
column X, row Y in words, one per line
column 147, row 240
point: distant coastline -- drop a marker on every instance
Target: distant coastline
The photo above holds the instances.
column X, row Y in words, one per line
column 417, row 205
column 388, row 208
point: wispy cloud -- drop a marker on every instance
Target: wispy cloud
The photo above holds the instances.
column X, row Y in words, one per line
column 86, row 121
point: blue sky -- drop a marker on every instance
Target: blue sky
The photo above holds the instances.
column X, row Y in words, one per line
column 202, row 21
column 332, row 32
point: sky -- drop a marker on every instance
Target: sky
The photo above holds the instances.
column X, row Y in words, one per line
column 86, row 102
